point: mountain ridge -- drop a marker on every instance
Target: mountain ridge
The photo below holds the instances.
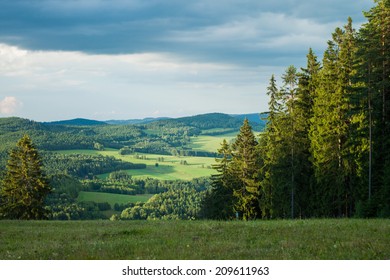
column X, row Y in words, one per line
column 76, row 122
column 254, row 118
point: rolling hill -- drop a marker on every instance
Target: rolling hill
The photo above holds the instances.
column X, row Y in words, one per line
column 202, row 121
column 77, row 122
column 156, row 136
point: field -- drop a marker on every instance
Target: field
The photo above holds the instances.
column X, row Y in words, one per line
column 212, row 143
column 170, row 169
column 208, row 240
column 209, row 143
column 112, row 198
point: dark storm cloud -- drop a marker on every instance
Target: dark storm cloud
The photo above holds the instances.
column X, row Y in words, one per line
column 188, row 28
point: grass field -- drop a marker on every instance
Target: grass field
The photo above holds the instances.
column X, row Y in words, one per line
column 283, row 239
column 112, row 198
column 209, row 143
column 212, row 143
column 170, row 169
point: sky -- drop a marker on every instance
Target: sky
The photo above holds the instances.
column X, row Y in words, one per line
column 126, row 59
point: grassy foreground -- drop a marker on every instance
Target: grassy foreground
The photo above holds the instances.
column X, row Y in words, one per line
column 300, row 239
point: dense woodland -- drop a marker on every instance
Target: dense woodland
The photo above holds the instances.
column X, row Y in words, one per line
column 180, row 200
column 169, row 137
column 325, row 151
column 174, row 199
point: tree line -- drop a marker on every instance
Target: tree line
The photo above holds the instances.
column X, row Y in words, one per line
column 184, row 203
column 325, row 150
column 84, row 166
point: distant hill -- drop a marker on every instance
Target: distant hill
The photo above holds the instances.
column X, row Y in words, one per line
column 213, row 120
column 77, row 122
column 14, row 124
column 202, row 121
column 136, row 121
column 151, row 135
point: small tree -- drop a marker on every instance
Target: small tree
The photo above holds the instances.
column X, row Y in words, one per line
column 24, row 187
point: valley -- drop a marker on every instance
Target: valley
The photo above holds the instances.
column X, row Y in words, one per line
column 307, row 179
column 98, row 169
column 158, row 166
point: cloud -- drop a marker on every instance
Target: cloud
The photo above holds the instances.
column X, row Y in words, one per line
column 68, row 68
column 65, row 84
column 76, row 57
column 265, row 29
column 170, row 26
column 9, row 105
column 11, row 59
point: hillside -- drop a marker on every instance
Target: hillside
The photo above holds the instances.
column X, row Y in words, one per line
column 218, row 120
column 210, row 120
column 210, row 124
column 77, row 122
column 159, row 136
column 135, row 121
column 59, row 136
column 83, row 133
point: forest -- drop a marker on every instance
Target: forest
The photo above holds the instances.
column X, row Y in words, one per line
column 325, row 150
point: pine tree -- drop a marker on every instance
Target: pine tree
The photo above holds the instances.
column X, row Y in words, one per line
column 220, row 201
column 331, row 126
column 374, row 72
column 24, row 186
column 235, row 189
column 275, row 153
column 307, row 85
column 245, row 170
column 267, row 147
column 290, row 79
column 274, row 105
column 303, row 112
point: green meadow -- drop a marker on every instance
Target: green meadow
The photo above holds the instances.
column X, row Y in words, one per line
column 212, row 143
column 112, row 198
column 172, row 168
column 209, row 143
column 323, row 239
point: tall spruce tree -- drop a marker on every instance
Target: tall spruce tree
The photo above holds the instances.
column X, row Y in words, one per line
column 268, row 146
column 303, row 112
column 290, row 79
column 219, row 202
column 330, row 130
column 24, row 186
column 244, row 168
column 276, row 154
column 374, row 70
